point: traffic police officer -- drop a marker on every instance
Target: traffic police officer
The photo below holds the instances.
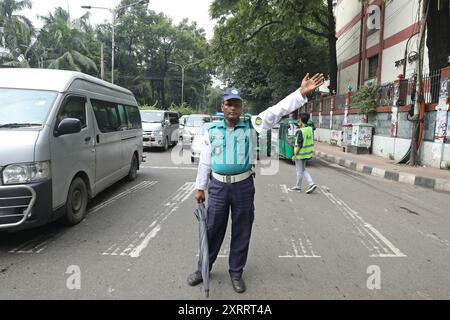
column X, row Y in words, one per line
column 226, row 169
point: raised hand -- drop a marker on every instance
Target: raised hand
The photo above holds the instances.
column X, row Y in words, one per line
column 310, row 84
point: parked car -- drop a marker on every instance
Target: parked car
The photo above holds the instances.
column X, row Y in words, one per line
column 197, row 143
column 193, row 123
column 218, row 116
column 180, row 132
column 64, row 137
column 161, row 128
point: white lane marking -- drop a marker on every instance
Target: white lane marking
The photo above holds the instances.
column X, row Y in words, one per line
column 306, row 250
column 133, row 245
column 370, row 237
column 304, row 243
column 35, row 245
column 170, row 168
column 41, row 242
column 141, row 186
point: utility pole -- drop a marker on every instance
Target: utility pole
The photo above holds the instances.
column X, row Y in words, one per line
column 413, row 160
column 113, row 24
column 183, row 67
column 102, row 68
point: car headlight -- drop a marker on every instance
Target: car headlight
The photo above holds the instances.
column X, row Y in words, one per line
column 157, row 133
column 26, row 173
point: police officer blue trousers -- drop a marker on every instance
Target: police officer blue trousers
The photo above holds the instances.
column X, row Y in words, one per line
column 239, row 198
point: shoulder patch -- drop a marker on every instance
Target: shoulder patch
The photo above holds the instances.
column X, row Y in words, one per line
column 258, row 121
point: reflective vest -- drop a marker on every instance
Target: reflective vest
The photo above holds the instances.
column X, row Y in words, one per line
column 231, row 149
column 307, row 149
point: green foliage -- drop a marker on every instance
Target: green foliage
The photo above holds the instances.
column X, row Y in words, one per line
column 182, row 110
column 366, row 99
column 148, row 107
column 262, row 48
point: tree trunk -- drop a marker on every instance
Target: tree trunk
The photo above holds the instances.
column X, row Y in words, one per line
column 414, row 158
column 332, row 48
column 438, row 40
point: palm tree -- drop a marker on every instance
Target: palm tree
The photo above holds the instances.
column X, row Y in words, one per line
column 66, row 42
column 16, row 33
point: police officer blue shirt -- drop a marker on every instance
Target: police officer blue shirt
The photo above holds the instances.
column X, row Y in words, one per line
column 229, row 151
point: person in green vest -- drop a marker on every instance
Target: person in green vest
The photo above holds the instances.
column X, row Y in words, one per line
column 303, row 151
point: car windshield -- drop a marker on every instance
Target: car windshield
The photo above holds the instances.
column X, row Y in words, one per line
column 203, row 128
column 24, row 108
column 197, row 121
column 152, row 117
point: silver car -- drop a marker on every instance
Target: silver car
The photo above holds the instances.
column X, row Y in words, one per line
column 160, row 128
column 192, row 125
column 64, row 137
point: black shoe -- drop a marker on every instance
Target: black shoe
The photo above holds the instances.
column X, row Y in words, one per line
column 238, row 284
column 195, row 279
column 311, row 188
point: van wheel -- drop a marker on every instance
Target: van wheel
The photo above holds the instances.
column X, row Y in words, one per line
column 166, row 144
column 76, row 203
column 132, row 174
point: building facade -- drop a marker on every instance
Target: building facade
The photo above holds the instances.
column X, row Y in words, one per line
column 373, row 39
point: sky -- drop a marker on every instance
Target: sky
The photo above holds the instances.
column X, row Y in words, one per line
column 195, row 10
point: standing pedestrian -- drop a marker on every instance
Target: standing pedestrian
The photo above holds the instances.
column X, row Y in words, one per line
column 303, row 151
column 225, row 168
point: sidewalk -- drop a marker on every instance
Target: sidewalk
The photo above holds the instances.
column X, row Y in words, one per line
column 432, row 178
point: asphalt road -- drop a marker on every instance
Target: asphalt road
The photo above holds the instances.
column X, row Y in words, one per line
column 356, row 237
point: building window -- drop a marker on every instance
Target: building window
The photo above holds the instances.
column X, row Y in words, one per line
column 373, row 67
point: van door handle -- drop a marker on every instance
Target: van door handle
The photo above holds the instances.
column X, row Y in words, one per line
column 87, row 139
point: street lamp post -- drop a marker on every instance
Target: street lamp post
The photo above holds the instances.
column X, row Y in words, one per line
column 183, row 67
column 113, row 13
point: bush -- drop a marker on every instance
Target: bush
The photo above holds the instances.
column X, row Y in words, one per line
column 181, row 110
column 147, row 107
column 366, row 99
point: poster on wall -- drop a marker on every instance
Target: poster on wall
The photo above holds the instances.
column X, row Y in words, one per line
column 441, row 125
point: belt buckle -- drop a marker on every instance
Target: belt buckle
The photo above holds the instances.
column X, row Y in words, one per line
column 228, row 179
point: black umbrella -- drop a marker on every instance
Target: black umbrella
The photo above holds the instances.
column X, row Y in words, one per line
column 200, row 213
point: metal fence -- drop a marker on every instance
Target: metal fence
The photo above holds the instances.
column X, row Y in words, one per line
column 407, row 94
column 386, row 94
column 327, row 104
column 340, row 101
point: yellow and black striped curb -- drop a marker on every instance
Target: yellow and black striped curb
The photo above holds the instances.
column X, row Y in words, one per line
column 403, row 177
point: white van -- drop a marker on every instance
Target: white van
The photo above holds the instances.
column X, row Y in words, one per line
column 160, row 128
column 64, row 137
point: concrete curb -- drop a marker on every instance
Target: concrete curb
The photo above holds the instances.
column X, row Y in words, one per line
column 403, row 177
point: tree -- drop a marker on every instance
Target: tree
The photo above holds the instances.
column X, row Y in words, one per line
column 366, row 100
column 263, row 48
column 146, row 42
column 16, row 32
column 64, row 42
column 257, row 24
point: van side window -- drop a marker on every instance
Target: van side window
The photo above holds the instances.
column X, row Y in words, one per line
column 73, row 107
column 125, row 124
column 174, row 118
column 107, row 115
column 134, row 117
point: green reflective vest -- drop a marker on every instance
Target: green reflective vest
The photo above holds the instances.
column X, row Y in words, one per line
column 307, row 149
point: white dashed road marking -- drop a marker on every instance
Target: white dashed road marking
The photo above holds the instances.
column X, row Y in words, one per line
column 370, row 237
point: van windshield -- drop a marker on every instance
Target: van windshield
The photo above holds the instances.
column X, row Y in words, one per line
column 197, row 121
column 24, row 108
column 152, row 117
